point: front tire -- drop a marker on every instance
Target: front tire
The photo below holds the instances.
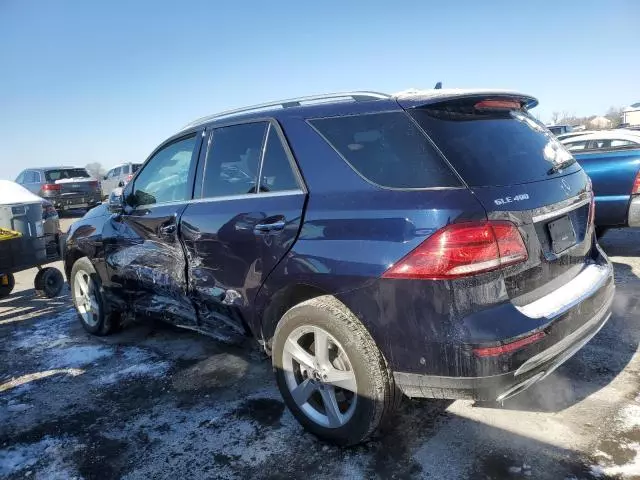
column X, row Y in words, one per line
column 330, row 372
column 86, row 292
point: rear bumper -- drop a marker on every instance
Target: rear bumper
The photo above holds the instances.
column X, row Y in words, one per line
column 76, row 200
column 504, row 376
column 634, row 212
column 501, row 387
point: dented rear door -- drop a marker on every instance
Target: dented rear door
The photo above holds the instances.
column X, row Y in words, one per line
column 248, row 217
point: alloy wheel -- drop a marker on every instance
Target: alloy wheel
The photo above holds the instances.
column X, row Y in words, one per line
column 320, row 376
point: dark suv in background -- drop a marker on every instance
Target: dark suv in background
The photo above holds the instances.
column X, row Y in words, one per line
column 433, row 243
column 67, row 188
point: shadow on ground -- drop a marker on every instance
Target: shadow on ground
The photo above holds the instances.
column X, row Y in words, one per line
column 26, row 305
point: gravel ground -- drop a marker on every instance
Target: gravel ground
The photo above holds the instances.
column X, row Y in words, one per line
column 157, row 402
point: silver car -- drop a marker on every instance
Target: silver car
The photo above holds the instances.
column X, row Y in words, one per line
column 118, row 176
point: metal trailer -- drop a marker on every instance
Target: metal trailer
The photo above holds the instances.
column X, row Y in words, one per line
column 22, row 242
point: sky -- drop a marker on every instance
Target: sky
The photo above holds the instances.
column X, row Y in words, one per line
column 85, row 81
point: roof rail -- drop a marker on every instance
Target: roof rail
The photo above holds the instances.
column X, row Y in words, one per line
column 357, row 96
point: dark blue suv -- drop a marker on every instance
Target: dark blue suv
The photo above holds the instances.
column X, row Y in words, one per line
column 431, row 243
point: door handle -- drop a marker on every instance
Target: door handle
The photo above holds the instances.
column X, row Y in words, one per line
column 269, row 227
column 168, row 230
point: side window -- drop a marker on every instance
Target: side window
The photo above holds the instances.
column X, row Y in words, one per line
column 29, row 177
column 623, row 144
column 387, row 149
column 165, row 176
column 575, row 146
column 20, row 178
column 37, row 178
column 233, row 160
column 115, row 172
column 599, row 144
column 277, row 174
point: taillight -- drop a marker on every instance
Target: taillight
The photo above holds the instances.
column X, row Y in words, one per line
column 508, row 347
column 129, row 177
column 51, row 187
column 636, row 185
column 463, row 249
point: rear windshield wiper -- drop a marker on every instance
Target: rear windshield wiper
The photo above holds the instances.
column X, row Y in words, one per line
column 561, row 166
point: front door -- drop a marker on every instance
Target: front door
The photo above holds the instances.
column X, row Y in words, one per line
column 145, row 260
column 248, row 216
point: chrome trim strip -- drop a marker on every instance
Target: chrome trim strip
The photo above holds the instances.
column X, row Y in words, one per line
column 569, row 345
column 582, row 286
column 282, row 193
column 562, row 210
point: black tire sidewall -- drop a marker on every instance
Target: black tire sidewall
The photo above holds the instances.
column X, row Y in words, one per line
column 359, row 425
column 5, row 290
column 52, row 291
column 85, row 265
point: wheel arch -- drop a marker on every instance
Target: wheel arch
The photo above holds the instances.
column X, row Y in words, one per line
column 71, row 257
column 278, row 304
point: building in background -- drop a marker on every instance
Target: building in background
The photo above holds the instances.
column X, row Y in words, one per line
column 631, row 115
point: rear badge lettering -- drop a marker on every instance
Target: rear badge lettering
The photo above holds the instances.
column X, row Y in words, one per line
column 517, row 198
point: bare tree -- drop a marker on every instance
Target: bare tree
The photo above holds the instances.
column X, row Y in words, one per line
column 615, row 115
column 555, row 116
column 95, row 169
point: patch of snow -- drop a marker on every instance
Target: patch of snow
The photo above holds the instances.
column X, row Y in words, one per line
column 49, row 453
column 19, row 407
column 140, row 370
column 629, row 417
column 630, row 469
column 78, row 356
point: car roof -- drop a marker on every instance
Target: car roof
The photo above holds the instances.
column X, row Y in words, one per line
column 606, row 135
column 345, row 103
column 57, row 167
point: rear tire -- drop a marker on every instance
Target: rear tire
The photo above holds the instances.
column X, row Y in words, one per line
column 7, row 284
column 344, row 416
column 86, row 291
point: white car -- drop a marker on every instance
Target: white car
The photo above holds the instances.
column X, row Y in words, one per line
column 118, row 176
column 601, row 140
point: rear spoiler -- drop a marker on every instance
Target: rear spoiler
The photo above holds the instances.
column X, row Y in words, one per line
column 419, row 98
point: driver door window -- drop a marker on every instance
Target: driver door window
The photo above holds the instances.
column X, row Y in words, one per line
column 165, row 176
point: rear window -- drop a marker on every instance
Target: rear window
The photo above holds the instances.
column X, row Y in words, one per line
column 61, row 174
column 494, row 147
column 387, row 149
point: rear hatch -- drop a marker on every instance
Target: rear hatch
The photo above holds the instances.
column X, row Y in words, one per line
column 73, row 181
column 519, row 172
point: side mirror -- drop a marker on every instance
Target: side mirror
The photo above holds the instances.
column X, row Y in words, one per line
column 104, row 178
column 121, row 183
column 116, row 201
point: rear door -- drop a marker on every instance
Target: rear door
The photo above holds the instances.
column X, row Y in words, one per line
column 249, row 212
column 519, row 172
column 145, row 260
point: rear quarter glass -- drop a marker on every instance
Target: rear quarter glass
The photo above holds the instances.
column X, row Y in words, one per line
column 493, row 147
column 387, row 149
